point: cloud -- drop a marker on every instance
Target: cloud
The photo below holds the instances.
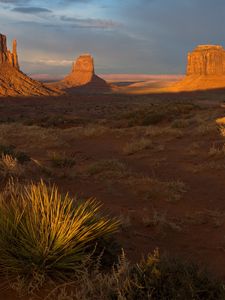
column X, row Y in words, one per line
column 54, row 62
column 13, row 1
column 31, row 10
column 90, row 23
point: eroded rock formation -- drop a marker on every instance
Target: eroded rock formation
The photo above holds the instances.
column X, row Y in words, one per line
column 6, row 56
column 82, row 71
column 82, row 77
column 206, row 60
column 13, row 82
column 205, row 70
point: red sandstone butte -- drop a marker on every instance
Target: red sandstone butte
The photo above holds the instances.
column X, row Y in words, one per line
column 82, row 77
column 205, row 69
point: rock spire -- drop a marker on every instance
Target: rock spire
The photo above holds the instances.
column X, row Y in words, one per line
column 6, row 56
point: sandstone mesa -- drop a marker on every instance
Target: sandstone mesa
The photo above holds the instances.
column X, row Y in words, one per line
column 205, row 69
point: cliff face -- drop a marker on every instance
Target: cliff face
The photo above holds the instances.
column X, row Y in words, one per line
column 206, row 60
column 205, row 70
column 6, row 56
column 13, row 82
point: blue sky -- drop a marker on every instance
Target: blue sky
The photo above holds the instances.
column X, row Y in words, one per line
column 124, row 36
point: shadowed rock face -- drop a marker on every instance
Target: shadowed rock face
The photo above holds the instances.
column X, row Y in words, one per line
column 206, row 60
column 82, row 78
column 13, row 82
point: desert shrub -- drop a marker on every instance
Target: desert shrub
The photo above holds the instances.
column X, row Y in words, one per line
column 55, row 121
column 206, row 129
column 156, row 131
column 107, row 168
column 137, row 145
column 9, row 166
column 154, row 278
column 153, row 188
column 62, row 160
column 158, row 113
column 157, row 278
column 11, row 150
column 180, row 123
column 218, row 151
column 45, row 233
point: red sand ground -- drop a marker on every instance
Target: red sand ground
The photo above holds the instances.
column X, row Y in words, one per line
column 199, row 212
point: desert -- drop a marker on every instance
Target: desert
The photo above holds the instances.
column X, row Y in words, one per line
column 111, row 183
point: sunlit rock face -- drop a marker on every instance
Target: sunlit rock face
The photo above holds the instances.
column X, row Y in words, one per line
column 82, row 78
column 205, row 70
column 206, row 60
column 14, row 82
column 82, row 70
column 6, row 56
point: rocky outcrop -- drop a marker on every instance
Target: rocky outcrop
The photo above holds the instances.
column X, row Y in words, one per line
column 205, row 70
column 82, row 71
column 82, row 77
column 6, row 56
column 206, row 60
column 13, row 82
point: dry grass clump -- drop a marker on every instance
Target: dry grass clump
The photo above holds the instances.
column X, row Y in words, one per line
column 194, row 148
column 155, row 131
column 153, row 189
column 206, row 129
column 137, row 146
column 93, row 130
column 32, row 136
column 161, row 221
column 107, row 168
column 62, row 160
column 175, row 190
column 11, row 150
column 221, row 130
column 181, row 123
column 154, row 278
column 9, row 166
column 46, row 234
column 215, row 218
column 158, row 113
column 217, row 151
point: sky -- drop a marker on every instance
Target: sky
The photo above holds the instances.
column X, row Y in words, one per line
column 124, row 36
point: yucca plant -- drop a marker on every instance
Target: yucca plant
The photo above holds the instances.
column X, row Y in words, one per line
column 44, row 232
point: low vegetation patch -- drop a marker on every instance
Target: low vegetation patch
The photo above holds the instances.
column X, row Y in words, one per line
column 158, row 113
column 217, row 151
column 11, row 150
column 154, row 189
column 110, row 167
column 62, row 160
column 10, row 167
column 137, row 146
column 154, row 278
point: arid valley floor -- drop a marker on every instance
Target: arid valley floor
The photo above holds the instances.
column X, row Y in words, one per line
column 155, row 161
